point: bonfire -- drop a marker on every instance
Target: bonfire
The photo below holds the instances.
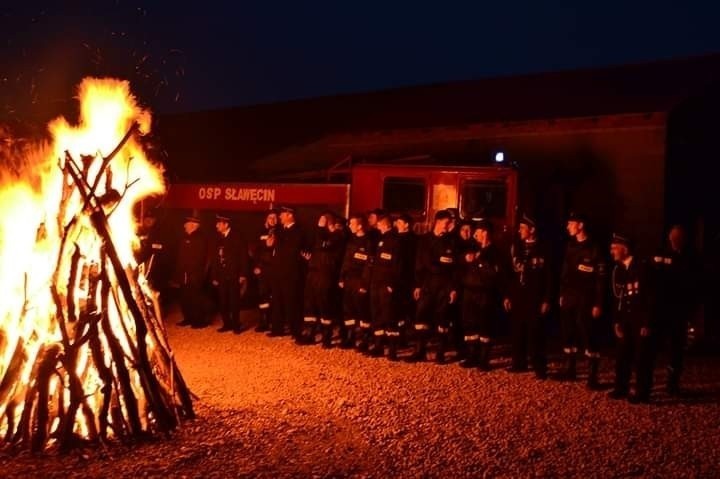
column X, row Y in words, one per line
column 84, row 355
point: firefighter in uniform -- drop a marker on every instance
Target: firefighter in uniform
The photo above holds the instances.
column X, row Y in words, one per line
column 190, row 274
column 262, row 258
column 228, row 273
column 323, row 271
column 582, row 292
column 371, row 224
column 435, row 287
column 356, row 305
column 483, row 282
column 384, row 276
column 286, row 273
column 676, row 278
column 529, row 298
column 151, row 251
column 407, row 247
column 632, row 308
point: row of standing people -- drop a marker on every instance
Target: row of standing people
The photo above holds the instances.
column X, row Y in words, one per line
column 381, row 286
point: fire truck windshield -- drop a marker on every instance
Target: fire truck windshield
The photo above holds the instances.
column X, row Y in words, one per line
column 488, row 198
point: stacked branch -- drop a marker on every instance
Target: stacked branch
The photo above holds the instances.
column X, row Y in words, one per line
column 111, row 373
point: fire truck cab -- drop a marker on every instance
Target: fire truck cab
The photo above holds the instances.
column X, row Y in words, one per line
column 421, row 191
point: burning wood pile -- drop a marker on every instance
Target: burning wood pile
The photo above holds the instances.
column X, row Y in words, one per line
column 84, row 356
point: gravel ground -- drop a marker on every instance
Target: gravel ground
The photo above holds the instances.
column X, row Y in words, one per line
column 271, row 409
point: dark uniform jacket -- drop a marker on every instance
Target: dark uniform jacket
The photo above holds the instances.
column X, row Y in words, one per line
column 532, row 274
column 632, row 294
column 407, row 248
column 327, row 253
column 386, row 266
column 287, row 261
column 230, row 259
column 676, row 278
column 358, row 254
column 485, row 273
column 437, row 259
column 262, row 254
column 583, row 273
column 192, row 260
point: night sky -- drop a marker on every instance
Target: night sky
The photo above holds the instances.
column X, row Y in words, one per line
column 186, row 56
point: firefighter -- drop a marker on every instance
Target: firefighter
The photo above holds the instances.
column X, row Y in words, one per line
column 465, row 236
column 632, row 308
column 286, row 273
column 190, row 274
column 384, row 276
column 483, row 282
column 151, row 250
column 582, row 291
column 435, row 287
column 404, row 296
column 465, row 243
column 262, row 258
column 228, row 273
column 529, row 298
column 676, row 274
column 356, row 304
column 321, row 279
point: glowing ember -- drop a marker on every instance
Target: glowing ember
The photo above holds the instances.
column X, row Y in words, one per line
column 83, row 352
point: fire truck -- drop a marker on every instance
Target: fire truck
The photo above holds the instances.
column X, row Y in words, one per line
column 419, row 190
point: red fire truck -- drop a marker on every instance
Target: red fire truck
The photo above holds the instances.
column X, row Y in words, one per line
column 416, row 189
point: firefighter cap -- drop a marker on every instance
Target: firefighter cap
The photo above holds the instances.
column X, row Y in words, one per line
column 484, row 224
column 443, row 215
column 222, row 218
column 621, row 239
column 454, row 213
column 287, row 209
column 527, row 219
column 192, row 219
column 577, row 217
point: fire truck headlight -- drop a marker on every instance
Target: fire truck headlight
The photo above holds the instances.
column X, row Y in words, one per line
column 499, row 157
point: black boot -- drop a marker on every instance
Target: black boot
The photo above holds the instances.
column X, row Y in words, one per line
column 673, row 383
column 592, row 382
column 378, row 349
column 392, row 348
column 569, row 372
column 327, row 337
column 348, row 338
column 262, row 322
column 364, row 343
column 420, row 352
column 471, row 356
column 484, row 357
column 440, row 354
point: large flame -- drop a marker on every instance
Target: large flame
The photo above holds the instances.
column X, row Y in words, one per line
column 33, row 223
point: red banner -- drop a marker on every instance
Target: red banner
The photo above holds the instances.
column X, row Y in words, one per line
column 255, row 196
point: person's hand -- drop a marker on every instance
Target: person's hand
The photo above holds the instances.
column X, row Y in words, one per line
column 562, row 301
column 389, row 289
column 216, row 283
column 416, row 294
column 619, row 332
column 257, row 271
column 362, row 290
column 507, row 305
column 307, row 255
column 453, row 297
column 242, row 280
column 544, row 309
column 270, row 241
column 596, row 312
column 341, row 284
column 469, row 257
column 644, row 332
